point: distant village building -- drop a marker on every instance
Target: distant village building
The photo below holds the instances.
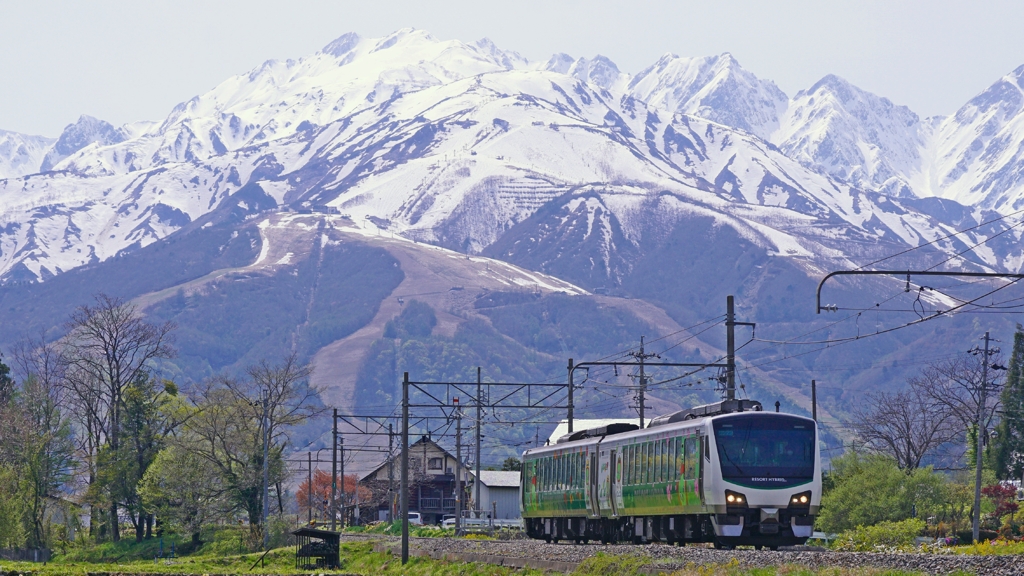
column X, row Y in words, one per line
column 499, row 491
column 432, row 486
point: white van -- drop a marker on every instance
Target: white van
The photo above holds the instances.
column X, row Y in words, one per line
column 415, row 519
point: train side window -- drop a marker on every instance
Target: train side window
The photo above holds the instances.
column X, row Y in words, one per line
column 662, row 455
column 642, row 469
column 656, row 473
column 543, row 465
column 636, row 464
column 666, row 459
column 678, row 460
column 631, row 464
column 650, row 462
column 689, row 449
column 641, row 453
column 648, row 466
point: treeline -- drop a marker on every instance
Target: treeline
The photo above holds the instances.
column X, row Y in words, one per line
column 88, row 429
column 918, row 447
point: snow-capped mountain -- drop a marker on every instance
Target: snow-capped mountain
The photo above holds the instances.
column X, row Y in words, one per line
column 713, row 87
column 853, row 135
column 21, row 154
column 457, row 144
column 86, row 131
column 978, row 153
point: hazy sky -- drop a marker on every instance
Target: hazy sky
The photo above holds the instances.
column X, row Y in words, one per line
column 126, row 61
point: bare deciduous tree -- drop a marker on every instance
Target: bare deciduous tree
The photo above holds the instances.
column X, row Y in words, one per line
column 905, row 425
column 956, row 386
column 228, row 435
column 108, row 347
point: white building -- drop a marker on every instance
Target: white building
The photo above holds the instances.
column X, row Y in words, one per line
column 499, row 490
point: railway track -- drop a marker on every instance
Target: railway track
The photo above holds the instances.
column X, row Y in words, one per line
column 665, row 559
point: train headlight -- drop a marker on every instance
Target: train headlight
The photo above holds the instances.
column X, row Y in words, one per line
column 735, row 498
column 801, row 500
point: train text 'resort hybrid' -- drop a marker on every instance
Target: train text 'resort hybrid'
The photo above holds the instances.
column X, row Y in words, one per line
column 727, row 473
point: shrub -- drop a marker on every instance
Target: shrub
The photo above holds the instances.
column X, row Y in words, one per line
column 881, row 536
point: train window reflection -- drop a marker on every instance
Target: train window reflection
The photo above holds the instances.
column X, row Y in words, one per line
column 761, row 446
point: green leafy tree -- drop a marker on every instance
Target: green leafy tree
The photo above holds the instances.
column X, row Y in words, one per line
column 1009, row 439
column 417, row 320
column 870, row 488
column 12, row 530
column 512, row 464
column 183, row 491
column 35, row 439
column 151, row 413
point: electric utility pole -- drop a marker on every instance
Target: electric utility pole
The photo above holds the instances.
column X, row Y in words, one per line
column 334, row 472
column 458, row 466
column 341, row 466
column 391, row 472
column 479, row 425
column 405, row 469
column 640, row 357
column 976, row 520
column 730, row 346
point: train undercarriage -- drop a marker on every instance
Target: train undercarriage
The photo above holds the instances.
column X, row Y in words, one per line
column 733, row 530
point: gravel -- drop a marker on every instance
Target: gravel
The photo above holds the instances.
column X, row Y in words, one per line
column 668, row 558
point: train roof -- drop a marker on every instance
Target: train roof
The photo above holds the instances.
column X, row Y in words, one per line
column 665, row 427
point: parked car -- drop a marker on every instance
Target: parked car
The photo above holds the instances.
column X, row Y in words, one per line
column 415, row 519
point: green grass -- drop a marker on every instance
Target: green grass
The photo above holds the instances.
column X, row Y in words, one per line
column 360, row 558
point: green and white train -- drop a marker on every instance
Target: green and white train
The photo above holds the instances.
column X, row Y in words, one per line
column 727, row 473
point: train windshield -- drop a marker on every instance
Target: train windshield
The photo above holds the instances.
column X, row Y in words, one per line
column 765, row 451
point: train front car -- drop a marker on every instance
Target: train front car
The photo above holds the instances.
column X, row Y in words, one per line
column 764, row 481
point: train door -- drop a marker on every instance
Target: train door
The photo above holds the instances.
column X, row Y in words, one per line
column 705, row 449
column 612, row 481
column 593, row 485
column 617, row 484
column 604, row 483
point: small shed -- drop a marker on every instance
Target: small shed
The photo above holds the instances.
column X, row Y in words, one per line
column 316, row 548
column 499, row 491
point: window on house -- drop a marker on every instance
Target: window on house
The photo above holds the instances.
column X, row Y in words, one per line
column 435, row 464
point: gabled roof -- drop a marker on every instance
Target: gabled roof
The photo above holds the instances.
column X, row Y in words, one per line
column 422, row 440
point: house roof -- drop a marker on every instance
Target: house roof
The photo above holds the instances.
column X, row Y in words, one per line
column 499, row 479
column 423, row 439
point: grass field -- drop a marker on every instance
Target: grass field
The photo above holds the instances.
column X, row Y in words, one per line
column 359, row 558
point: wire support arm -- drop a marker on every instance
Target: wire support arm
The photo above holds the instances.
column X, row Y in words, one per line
column 908, row 274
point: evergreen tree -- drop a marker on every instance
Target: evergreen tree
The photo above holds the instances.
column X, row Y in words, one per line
column 1009, row 452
